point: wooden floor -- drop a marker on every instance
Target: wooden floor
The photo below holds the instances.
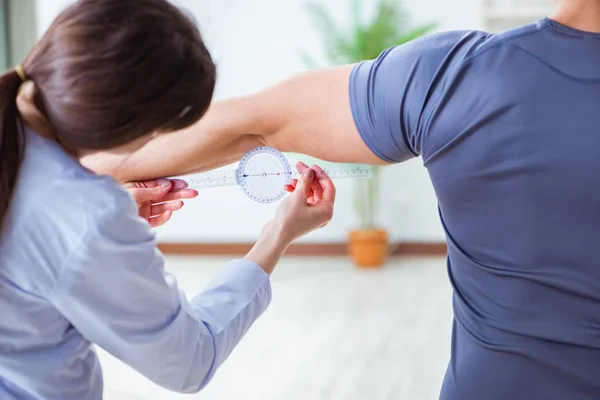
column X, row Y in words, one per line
column 332, row 333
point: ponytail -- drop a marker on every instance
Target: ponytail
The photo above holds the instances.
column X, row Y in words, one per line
column 12, row 143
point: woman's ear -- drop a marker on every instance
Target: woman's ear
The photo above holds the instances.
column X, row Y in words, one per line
column 31, row 115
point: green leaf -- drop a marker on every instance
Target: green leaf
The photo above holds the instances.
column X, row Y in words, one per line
column 356, row 14
column 417, row 33
column 323, row 20
column 335, row 44
column 309, row 61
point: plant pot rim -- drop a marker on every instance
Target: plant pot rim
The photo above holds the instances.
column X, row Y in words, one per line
column 368, row 235
column 377, row 229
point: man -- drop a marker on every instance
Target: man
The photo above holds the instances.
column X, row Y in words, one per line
column 507, row 125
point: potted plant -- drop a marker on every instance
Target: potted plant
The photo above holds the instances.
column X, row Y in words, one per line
column 365, row 40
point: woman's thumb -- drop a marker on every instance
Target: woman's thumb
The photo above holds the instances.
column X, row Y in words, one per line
column 304, row 183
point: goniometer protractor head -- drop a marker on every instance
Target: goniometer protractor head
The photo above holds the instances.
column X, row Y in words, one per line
column 263, row 173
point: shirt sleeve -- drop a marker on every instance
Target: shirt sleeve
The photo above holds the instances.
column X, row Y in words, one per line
column 390, row 95
column 114, row 290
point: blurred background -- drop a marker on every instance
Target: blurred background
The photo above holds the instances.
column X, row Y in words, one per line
column 361, row 308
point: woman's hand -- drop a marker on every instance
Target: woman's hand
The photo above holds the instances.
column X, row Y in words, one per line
column 309, row 207
column 158, row 199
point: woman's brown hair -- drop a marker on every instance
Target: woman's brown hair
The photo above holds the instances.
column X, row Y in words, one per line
column 107, row 72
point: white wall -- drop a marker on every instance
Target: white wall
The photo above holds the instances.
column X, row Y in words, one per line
column 256, row 43
column 47, row 10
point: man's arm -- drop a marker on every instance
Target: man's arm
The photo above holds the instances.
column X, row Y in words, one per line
column 309, row 113
column 373, row 112
column 313, row 117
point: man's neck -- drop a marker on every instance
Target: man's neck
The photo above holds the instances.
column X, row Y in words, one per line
column 583, row 15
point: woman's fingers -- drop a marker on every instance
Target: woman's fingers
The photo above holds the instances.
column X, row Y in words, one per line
column 317, row 190
column 311, row 198
column 305, row 210
column 326, row 184
column 161, row 208
column 180, row 194
column 300, row 166
column 291, row 186
column 160, row 219
column 178, row 184
column 321, row 184
column 158, row 191
column 302, row 190
column 158, row 199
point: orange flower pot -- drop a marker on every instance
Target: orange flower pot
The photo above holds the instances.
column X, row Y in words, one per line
column 368, row 248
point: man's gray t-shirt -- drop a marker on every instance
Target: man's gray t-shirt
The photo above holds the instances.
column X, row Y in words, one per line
column 508, row 126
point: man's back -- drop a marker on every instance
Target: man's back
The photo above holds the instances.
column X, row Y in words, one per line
column 508, row 128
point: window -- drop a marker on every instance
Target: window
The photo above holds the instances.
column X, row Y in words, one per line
column 18, row 34
column 499, row 15
column 4, row 57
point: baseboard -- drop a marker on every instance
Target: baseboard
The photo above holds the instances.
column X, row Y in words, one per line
column 298, row 249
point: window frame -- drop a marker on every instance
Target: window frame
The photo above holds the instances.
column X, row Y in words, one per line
column 4, row 36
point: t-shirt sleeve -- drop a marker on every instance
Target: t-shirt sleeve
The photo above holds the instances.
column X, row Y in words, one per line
column 114, row 290
column 390, row 94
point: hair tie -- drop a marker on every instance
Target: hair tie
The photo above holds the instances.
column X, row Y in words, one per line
column 21, row 73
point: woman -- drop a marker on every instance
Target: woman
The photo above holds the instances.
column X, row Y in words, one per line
column 78, row 265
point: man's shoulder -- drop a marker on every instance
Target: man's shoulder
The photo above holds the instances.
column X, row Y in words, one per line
column 457, row 47
column 495, row 41
column 437, row 47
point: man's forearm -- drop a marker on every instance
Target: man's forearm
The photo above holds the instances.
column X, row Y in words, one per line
column 219, row 139
column 216, row 140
